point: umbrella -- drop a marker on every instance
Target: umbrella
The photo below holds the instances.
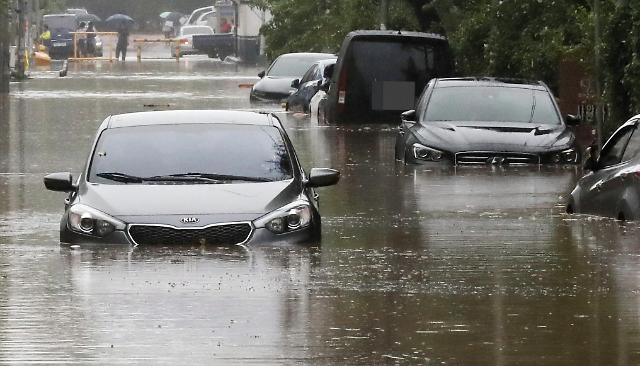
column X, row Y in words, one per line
column 88, row 18
column 173, row 16
column 118, row 20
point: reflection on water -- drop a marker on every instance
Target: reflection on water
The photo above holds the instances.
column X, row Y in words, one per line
column 417, row 265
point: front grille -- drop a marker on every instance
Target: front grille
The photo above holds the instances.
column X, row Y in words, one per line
column 496, row 158
column 224, row 234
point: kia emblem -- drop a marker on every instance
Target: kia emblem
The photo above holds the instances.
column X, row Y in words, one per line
column 189, row 220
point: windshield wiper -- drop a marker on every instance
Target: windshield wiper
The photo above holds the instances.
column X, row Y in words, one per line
column 182, row 177
column 219, row 177
column 120, row 177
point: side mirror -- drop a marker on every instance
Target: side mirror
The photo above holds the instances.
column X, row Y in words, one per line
column 295, row 83
column 322, row 177
column 572, row 120
column 327, row 73
column 408, row 116
column 59, row 182
column 261, row 74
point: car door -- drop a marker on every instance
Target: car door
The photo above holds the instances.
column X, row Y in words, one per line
column 599, row 187
column 629, row 178
column 297, row 99
column 309, row 86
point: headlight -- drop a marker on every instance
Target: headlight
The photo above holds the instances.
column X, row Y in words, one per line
column 569, row 156
column 422, row 152
column 87, row 220
column 292, row 217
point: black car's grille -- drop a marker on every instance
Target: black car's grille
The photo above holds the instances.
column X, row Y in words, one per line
column 496, row 158
column 275, row 96
column 225, row 234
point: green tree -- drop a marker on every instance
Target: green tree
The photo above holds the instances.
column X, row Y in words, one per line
column 320, row 25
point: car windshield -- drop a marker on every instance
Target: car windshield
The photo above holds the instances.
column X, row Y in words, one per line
column 491, row 104
column 60, row 22
column 187, row 31
column 293, row 66
column 169, row 153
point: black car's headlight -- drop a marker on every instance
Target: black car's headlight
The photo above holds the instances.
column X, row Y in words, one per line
column 568, row 156
column 292, row 217
column 87, row 220
column 425, row 153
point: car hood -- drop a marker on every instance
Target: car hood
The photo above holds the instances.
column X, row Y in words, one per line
column 493, row 136
column 234, row 202
column 275, row 84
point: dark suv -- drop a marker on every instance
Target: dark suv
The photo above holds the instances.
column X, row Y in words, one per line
column 380, row 73
column 61, row 26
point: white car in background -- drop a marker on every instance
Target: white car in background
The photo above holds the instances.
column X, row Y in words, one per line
column 185, row 38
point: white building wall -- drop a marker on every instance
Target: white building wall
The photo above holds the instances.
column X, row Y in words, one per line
column 250, row 20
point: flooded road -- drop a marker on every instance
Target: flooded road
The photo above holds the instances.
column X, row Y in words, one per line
column 467, row 266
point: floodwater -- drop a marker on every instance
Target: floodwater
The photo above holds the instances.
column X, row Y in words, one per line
column 467, row 266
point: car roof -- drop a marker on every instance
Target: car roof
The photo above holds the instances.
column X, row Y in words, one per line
column 394, row 33
column 325, row 62
column 489, row 81
column 175, row 117
column 308, row 55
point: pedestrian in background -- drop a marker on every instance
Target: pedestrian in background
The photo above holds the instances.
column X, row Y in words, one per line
column 123, row 42
column 91, row 40
column 81, row 43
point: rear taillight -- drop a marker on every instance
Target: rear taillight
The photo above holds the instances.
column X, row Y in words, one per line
column 342, row 89
column 183, row 41
column 637, row 174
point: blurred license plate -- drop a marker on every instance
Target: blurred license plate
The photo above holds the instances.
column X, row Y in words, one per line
column 59, row 44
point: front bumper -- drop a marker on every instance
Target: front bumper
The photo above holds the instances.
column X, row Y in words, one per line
column 257, row 236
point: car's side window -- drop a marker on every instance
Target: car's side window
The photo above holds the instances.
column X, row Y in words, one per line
column 308, row 76
column 633, row 147
column 613, row 150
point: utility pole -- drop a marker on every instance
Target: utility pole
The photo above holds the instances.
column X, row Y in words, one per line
column 4, row 47
column 599, row 112
column 384, row 14
column 20, row 67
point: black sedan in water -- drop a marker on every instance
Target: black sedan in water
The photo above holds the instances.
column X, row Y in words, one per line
column 194, row 178
column 612, row 185
column 315, row 78
column 495, row 121
column 275, row 82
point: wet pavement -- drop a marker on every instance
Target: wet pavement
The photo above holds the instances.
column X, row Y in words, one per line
column 467, row 266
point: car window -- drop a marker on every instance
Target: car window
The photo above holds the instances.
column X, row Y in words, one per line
column 379, row 68
column 147, row 151
column 186, row 31
column 633, row 147
column 491, row 104
column 614, row 148
column 310, row 74
column 293, row 66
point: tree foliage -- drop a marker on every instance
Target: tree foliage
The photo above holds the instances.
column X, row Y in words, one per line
column 320, row 25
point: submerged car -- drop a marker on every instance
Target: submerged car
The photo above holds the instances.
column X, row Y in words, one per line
column 275, row 82
column 192, row 178
column 185, row 38
column 612, row 185
column 380, row 73
column 312, row 81
column 61, row 25
column 494, row 121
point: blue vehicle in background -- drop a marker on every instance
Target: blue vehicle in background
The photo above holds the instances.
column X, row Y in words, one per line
column 61, row 25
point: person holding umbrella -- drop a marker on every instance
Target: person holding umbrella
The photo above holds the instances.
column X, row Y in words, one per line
column 123, row 41
column 122, row 23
